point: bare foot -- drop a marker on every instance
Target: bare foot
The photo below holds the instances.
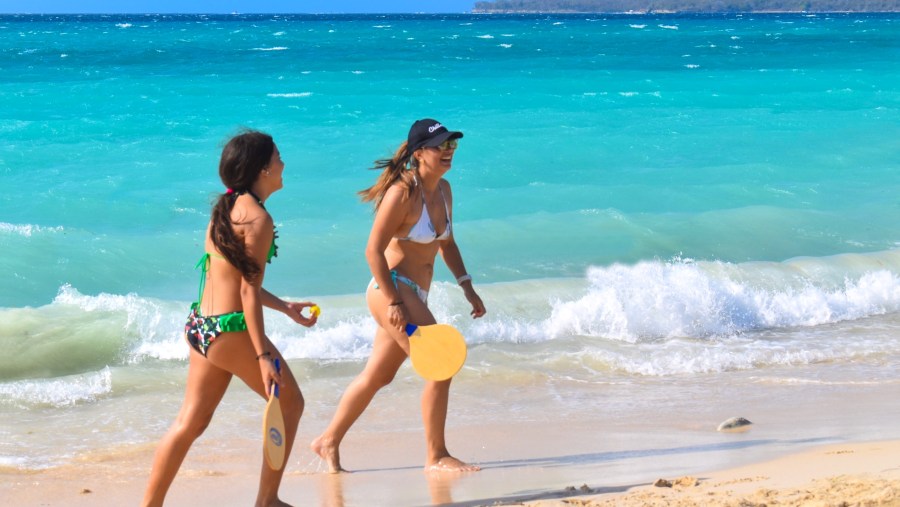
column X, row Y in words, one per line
column 451, row 464
column 328, row 452
column 271, row 502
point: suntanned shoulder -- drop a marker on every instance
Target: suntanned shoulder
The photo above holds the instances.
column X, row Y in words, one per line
column 445, row 185
column 398, row 192
column 247, row 210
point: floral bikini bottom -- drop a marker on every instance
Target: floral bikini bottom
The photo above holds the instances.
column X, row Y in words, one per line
column 201, row 331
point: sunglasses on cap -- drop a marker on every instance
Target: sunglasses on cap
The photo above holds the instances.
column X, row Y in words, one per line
column 449, row 144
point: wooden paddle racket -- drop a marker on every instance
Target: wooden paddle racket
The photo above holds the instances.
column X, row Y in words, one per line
column 437, row 351
column 273, row 428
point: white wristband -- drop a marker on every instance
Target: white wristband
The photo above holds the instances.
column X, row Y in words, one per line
column 464, row 278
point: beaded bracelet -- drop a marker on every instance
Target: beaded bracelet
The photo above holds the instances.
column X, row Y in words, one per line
column 464, row 278
column 264, row 354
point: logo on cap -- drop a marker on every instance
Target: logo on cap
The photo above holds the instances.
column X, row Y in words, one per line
column 434, row 127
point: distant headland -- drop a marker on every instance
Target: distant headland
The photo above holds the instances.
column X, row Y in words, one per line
column 684, row 6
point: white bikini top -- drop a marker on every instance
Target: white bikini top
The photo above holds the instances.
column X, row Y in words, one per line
column 423, row 232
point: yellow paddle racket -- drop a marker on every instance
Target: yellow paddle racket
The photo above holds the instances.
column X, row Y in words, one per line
column 437, row 351
column 273, row 428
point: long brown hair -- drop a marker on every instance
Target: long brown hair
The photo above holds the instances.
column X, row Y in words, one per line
column 392, row 169
column 243, row 158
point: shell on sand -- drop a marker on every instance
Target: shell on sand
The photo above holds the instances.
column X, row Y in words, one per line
column 734, row 425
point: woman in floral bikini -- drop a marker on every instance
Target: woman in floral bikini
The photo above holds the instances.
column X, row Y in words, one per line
column 225, row 327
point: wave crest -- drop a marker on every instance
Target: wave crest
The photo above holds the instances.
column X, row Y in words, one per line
column 57, row 392
column 665, row 300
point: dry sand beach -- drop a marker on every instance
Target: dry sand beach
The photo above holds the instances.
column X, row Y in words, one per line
column 857, row 474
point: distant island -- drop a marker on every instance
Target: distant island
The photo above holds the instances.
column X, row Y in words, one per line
column 684, row 6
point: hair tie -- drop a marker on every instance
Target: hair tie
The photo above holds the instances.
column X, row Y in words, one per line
column 229, row 191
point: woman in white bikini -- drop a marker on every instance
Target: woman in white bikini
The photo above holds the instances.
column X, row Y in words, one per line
column 413, row 222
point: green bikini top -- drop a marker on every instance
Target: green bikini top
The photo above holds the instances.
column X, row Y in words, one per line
column 203, row 263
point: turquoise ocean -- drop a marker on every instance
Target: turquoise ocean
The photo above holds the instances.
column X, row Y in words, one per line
column 663, row 214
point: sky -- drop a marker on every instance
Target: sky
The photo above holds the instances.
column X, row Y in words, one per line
column 229, row 6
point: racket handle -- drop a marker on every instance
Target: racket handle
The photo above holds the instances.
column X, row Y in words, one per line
column 277, row 370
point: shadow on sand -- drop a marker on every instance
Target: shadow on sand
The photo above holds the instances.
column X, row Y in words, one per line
column 441, row 485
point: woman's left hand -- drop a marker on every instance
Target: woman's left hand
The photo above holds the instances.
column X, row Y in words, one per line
column 478, row 309
column 397, row 316
column 294, row 310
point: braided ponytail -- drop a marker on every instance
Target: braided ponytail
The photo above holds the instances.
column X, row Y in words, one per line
column 243, row 158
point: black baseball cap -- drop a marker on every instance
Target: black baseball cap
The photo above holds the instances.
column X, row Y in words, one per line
column 430, row 133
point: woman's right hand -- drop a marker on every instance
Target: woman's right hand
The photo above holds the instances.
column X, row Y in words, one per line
column 270, row 376
column 294, row 310
column 397, row 316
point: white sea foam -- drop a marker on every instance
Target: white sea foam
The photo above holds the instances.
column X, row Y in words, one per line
column 27, row 229
column 13, row 461
column 12, row 126
column 276, row 48
column 289, row 95
column 685, row 317
column 348, row 337
column 656, row 300
column 485, row 36
column 57, row 392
